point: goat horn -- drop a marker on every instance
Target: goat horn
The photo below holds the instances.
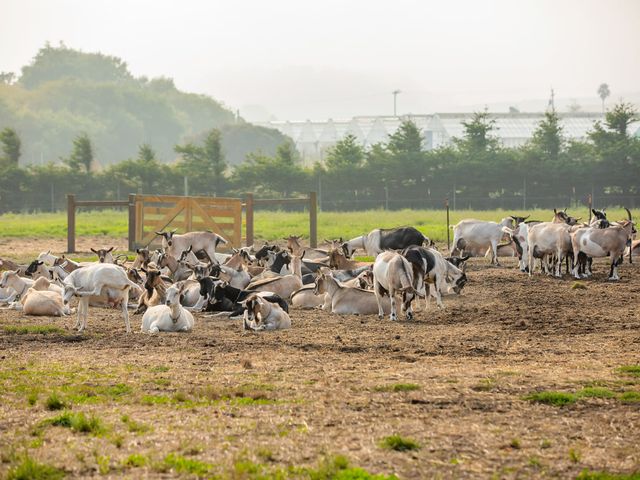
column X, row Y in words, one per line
column 629, row 214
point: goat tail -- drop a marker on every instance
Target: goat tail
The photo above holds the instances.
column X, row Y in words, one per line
column 405, row 279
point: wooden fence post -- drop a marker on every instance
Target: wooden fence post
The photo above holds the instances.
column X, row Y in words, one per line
column 446, row 204
column 71, row 223
column 248, row 212
column 313, row 219
column 132, row 222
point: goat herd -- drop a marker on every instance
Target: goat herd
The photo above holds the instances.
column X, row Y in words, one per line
column 261, row 285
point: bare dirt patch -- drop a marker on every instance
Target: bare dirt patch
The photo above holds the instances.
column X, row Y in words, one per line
column 329, row 386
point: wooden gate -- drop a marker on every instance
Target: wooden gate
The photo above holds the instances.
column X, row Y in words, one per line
column 159, row 212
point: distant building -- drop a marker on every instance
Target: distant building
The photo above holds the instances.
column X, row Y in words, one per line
column 313, row 138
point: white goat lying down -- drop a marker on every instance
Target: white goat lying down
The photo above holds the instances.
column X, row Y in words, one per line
column 264, row 315
column 18, row 286
column 170, row 317
column 43, row 302
column 95, row 280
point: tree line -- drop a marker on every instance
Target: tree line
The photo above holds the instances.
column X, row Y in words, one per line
column 475, row 171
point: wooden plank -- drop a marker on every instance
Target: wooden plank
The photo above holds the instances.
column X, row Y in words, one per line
column 180, row 205
column 281, row 201
column 139, row 220
column 132, row 222
column 237, row 229
column 149, row 210
column 71, row 223
column 212, row 223
column 248, row 213
column 216, row 212
column 313, row 220
column 202, row 227
column 102, row 203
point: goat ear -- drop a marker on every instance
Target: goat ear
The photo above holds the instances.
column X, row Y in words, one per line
column 137, row 250
column 160, row 234
column 565, row 210
column 111, row 249
column 93, row 251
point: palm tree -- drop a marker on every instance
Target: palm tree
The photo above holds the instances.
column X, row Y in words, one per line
column 603, row 93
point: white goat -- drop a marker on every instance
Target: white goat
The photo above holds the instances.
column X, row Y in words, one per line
column 473, row 234
column 44, row 303
column 170, row 317
column 264, row 315
column 176, row 244
column 96, row 280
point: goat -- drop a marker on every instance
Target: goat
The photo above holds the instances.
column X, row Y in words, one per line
column 548, row 238
column 380, row 239
column 170, row 317
column 222, row 297
column 343, row 300
column 520, row 241
column 602, row 242
column 238, row 278
column 43, row 303
column 143, row 257
column 37, row 269
column 294, row 247
column 306, row 298
column 95, row 280
column 207, row 241
column 155, row 290
column 179, row 268
column 473, row 233
column 393, row 274
column 11, row 280
column 283, row 286
column 263, row 315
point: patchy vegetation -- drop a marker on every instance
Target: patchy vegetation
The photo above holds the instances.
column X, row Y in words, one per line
column 30, row 469
column 399, row 444
column 32, row 329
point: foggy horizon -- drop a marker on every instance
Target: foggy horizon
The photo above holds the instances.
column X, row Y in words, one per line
column 294, row 62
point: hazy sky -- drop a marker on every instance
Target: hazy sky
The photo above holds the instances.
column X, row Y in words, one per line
column 333, row 58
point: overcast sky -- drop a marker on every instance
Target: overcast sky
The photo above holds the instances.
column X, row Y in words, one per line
column 333, row 58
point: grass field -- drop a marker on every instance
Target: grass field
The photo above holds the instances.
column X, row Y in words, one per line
column 273, row 225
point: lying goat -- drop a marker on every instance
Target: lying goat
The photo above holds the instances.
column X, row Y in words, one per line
column 170, row 317
column 264, row 315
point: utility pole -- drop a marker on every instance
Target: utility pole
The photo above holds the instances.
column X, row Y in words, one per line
column 395, row 95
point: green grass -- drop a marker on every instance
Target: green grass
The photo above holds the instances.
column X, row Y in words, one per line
column 630, row 397
column 135, row 461
column 595, row 392
column 591, row 475
column 54, row 402
column 274, row 225
column 37, row 329
column 135, row 427
column 559, row 399
column 398, row 387
column 399, row 444
column 78, row 422
column 180, row 464
column 633, row 370
column 29, row 469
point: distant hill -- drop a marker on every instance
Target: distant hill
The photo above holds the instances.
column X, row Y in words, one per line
column 64, row 92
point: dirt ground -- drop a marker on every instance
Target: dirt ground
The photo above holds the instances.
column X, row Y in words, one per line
column 256, row 405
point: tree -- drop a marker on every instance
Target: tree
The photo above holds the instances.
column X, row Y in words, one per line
column 619, row 118
column 547, row 138
column 7, row 77
column 204, row 165
column 603, row 93
column 10, row 146
column 81, row 156
column 345, row 154
column 146, row 153
column 477, row 134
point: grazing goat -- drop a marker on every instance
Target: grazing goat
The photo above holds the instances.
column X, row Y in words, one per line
column 549, row 239
column 263, row 315
column 380, row 239
column 206, row 241
column 170, row 317
column 393, row 274
column 93, row 281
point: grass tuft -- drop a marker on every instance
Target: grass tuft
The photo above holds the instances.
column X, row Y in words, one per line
column 630, row 370
column 78, row 422
column 181, row 464
column 135, row 460
column 595, row 392
column 54, row 402
column 398, row 387
column 558, row 399
column 591, row 475
column 29, row 469
column 36, row 329
column 630, row 397
column 399, row 444
column 515, row 444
